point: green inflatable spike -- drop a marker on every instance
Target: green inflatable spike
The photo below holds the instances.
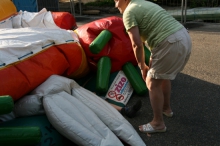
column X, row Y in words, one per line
column 6, row 104
column 100, row 41
column 103, row 74
column 50, row 136
column 147, row 55
column 135, row 78
column 20, row 136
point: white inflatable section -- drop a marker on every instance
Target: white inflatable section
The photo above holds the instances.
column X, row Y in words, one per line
column 77, row 122
column 7, row 23
column 78, row 114
column 42, row 18
column 7, row 117
column 19, row 44
column 28, row 105
column 54, row 84
column 109, row 115
column 32, row 104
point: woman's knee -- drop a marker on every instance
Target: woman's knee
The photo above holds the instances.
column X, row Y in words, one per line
column 153, row 83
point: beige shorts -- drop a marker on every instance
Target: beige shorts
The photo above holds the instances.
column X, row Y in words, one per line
column 170, row 56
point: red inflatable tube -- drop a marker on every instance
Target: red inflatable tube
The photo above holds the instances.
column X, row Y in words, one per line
column 118, row 49
column 20, row 78
column 73, row 55
column 64, row 20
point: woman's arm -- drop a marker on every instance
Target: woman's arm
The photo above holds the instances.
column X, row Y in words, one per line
column 138, row 49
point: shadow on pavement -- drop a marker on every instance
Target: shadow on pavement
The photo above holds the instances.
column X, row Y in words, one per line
column 196, row 120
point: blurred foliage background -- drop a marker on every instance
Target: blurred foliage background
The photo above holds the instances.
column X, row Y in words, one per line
column 171, row 3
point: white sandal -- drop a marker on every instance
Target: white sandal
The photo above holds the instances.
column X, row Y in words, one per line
column 147, row 128
column 168, row 114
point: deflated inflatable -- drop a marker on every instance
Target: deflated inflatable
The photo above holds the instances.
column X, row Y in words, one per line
column 63, row 20
column 77, row 122
column 31, row 52
column 78, row 114
column 35, row 54
column 118, row 48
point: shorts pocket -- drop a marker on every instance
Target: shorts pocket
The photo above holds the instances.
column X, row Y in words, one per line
column 174, row 38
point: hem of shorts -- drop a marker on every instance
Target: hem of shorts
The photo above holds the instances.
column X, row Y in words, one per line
column 162, row 76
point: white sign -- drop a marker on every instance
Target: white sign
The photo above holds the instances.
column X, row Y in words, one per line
column 120, row 90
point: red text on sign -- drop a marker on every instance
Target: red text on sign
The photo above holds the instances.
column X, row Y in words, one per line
column 120, row 84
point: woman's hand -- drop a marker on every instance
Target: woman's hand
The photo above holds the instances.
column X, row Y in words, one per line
column 146, row 69
column 144, row 72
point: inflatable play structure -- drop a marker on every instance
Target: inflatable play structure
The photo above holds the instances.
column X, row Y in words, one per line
column 108, row 49
column 37, row 52
column 41, row 57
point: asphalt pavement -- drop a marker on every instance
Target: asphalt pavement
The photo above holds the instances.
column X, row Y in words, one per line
column 195, row 96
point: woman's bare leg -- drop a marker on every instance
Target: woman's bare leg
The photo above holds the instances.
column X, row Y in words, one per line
column 166, row 88
column 157, row 102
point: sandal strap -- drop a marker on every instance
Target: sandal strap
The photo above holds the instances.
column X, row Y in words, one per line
column 147, row 127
